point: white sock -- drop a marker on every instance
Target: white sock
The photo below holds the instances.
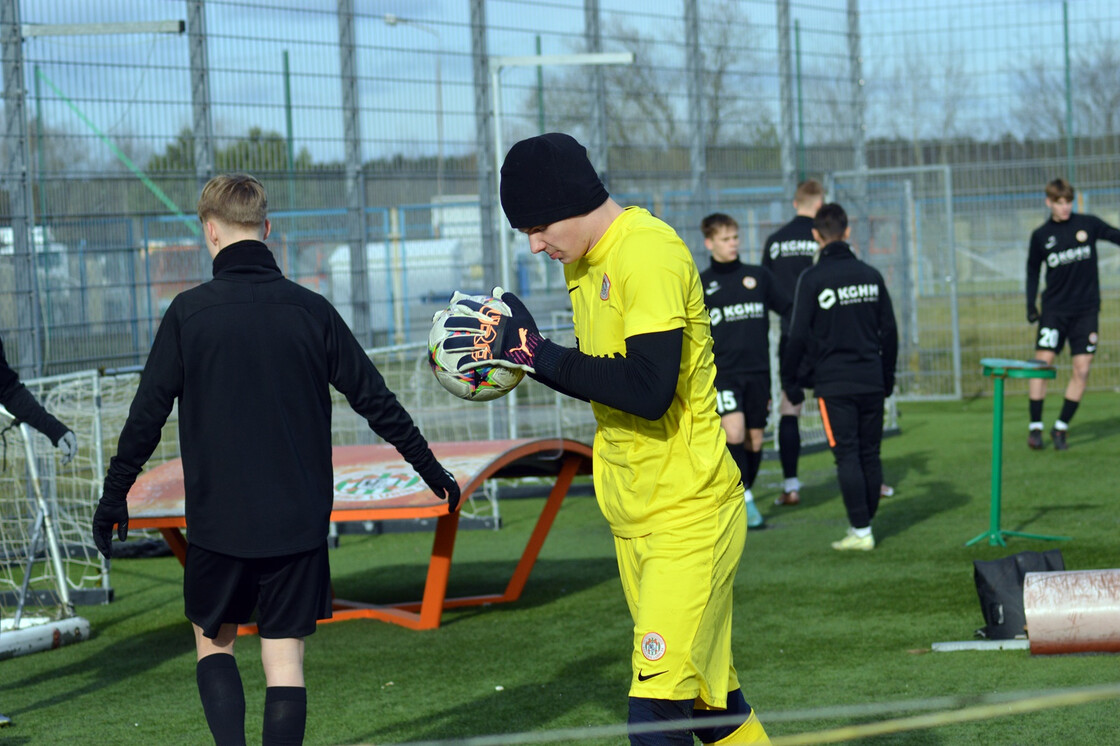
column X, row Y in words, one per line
column 1036, row 426
column 862, row 532
column 749, row 497
column 1059, row 425
column 793, row 484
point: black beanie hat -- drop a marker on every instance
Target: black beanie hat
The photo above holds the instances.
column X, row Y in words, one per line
column 548, row 178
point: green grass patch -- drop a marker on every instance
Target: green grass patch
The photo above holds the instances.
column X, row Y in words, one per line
column 813, row 627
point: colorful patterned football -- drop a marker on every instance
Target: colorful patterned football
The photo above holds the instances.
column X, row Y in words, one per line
column 481, row 384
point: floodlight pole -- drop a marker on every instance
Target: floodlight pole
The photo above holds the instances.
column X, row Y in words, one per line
column 497, row 64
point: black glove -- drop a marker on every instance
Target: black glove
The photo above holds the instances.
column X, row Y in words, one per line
column 1032, row 313
column 492, row 336
column 68, row 446
column 110, row 512
column 443, row 484
column 795, row 394
column 888, row 386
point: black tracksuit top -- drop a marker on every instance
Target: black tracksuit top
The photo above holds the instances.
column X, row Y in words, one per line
column 250, row 357
column 1069, row 251
column 842, row 311
column 739, row 299
column 787, row 253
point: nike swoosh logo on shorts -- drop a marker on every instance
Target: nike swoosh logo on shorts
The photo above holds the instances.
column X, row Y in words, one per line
column 644, row 677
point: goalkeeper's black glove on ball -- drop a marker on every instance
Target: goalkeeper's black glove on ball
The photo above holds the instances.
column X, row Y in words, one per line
column 493, row 336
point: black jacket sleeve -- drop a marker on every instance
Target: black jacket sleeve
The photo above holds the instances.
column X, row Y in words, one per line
column 1108, row 232
column 1034, row 265
column 161, row 382
column 357, row 378
column 15, row 397
column 642, row 383
column 888, row 340
column 798, row 335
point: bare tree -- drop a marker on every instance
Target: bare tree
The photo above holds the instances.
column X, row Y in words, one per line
column 1041, row 88
column 645, row 100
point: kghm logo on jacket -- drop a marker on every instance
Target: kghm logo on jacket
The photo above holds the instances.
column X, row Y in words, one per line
column 737, row 312
column 1069, row 256
column 866, row 293
column 800, row 247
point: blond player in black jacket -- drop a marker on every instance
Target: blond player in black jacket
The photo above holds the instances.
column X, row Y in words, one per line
column 842, row 311
column 251, row 356
column 787, row 253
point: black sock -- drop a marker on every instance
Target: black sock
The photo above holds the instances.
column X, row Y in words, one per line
column 285, row 715
column 754, row 461
column 1069, row 407
column 739, row 454
column 223, row 698
column 1036, row 410
column 789, row 444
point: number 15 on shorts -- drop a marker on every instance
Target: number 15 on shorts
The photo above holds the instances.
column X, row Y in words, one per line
column 725, row 402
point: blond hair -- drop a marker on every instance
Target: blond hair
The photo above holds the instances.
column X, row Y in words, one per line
column 808, row 191
column 234, row 199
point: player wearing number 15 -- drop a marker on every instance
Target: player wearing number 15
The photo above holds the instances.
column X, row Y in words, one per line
column 740, row 298
column 1071, row 302
column 663, row 477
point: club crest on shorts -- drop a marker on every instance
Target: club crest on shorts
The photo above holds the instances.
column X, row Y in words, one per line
column 605, row 289
column 749, row 282
column 653, row 646
column 1092, row 338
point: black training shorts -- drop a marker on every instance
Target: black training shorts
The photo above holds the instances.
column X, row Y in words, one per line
column 1079, row 329
column 748, row 393
column 290, row 593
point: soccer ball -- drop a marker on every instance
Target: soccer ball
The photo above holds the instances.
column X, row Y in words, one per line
column 481, row 384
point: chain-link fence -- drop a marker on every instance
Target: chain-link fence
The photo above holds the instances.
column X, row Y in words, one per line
column 375, row 130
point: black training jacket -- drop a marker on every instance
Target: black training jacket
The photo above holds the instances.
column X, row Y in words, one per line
column 739, row 298
column 1069, row 251
column 787, row 253
column 251, row 356
column 842, row 312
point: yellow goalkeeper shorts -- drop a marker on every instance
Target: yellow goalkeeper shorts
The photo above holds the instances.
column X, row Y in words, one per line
column 678, row 585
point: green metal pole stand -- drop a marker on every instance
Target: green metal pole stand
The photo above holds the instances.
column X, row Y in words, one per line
column 999, row 371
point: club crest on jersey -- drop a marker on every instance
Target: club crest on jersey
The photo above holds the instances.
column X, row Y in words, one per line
column 750, row 283
column 1082, row 236
column 653, row 646
column 605, row 289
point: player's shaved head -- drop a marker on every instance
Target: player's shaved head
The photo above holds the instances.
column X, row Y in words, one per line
column 234, row 199
column 831, row 222
column 808, row 192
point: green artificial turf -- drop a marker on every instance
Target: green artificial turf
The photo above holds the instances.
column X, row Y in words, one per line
column 813, row 627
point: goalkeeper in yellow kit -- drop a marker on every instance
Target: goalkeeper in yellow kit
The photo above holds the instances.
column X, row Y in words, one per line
column 664, row 479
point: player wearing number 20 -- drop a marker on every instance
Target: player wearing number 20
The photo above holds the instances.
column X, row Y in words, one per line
column 1071, row 302
column 663, row 477
column 740, row 298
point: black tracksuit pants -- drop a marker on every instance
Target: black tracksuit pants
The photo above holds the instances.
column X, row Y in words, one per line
column 854, row 426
